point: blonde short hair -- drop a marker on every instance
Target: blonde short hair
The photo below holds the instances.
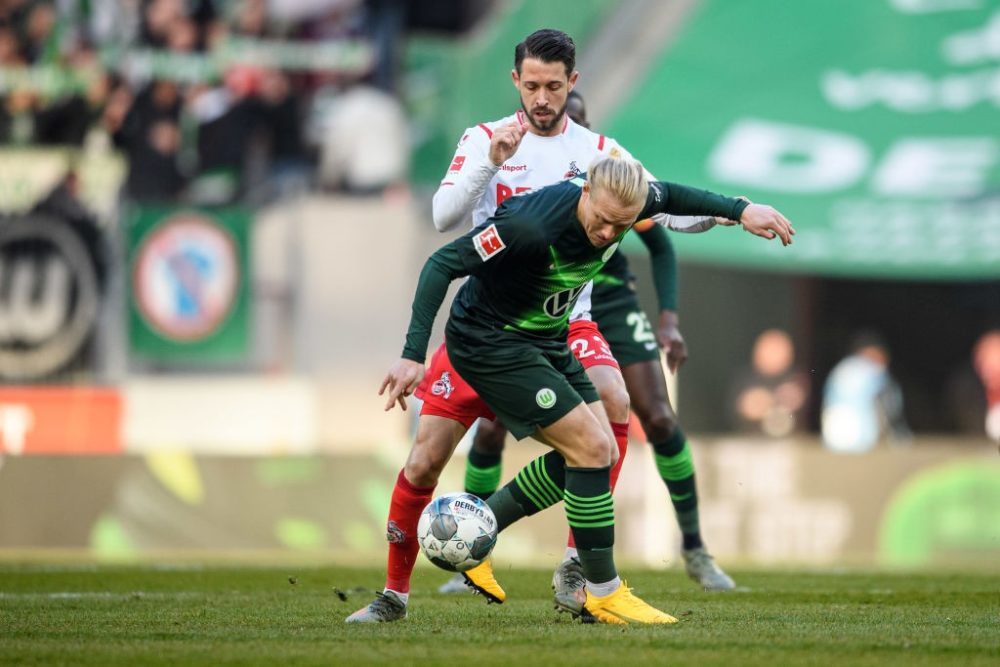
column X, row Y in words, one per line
column 624, row 178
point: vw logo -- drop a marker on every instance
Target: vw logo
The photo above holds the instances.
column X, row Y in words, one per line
column 560, row 303
column 49, row 296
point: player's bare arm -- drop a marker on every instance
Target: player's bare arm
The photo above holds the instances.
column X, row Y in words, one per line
column 505, row 141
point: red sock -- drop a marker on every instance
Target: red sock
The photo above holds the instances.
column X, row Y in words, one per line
column 401, row 531
column 621, row 438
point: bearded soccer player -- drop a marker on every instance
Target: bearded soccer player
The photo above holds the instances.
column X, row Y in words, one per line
column 506, row 338
column 636, row 347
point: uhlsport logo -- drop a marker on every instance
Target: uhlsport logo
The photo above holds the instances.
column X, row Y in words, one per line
column 546, row 398
column 186, row 277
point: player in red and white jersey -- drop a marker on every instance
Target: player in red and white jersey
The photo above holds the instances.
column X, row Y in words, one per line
column 475, row 186
column 533, row 148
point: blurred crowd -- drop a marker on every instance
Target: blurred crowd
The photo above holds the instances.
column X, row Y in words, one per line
column 211, row 101
column 861, row 404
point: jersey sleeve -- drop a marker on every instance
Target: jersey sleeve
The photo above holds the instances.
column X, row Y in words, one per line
column 439, row 271
column 678, row 223
column 501, row 244
column 465, row 181
column 677, row 199
column 664, row 263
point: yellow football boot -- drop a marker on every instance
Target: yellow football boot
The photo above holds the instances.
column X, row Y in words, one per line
column 481, row 580
column 622, row 608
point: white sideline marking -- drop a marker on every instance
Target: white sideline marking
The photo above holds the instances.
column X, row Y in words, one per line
column 98, row 595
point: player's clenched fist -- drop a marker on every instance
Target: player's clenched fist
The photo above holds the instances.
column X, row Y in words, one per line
column 401, row 381
column 505, row 141
column 766, row 221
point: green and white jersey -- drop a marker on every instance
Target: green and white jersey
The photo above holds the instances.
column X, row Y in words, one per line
column 529, row 263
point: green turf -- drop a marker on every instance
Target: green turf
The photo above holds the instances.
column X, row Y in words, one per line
column 106, row 615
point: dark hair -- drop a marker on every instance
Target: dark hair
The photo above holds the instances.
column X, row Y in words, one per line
column 549, row 46
column 578, row 111
column 867, row 338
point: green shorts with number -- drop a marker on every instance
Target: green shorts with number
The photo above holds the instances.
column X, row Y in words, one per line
column 627, row 330
column 528, row 384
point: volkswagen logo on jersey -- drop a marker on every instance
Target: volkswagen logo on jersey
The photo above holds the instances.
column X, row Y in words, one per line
column 186, row 277
column 560, row 303
column 49, row 296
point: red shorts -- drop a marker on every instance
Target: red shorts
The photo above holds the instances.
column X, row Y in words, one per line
column 446, row 394
column 589, row 346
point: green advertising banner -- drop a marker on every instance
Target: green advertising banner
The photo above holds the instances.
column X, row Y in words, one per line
column 873, row 124
column 188, row 284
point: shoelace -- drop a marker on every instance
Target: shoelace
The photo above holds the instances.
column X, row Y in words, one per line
column 383, row 604
column 573, row 576
column 702, row 559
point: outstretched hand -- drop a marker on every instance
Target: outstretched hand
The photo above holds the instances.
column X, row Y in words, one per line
column 504, row 142
column 767, row 222
column 401, row 380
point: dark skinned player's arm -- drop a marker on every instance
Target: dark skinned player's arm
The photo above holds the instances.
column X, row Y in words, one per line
column 663, row 260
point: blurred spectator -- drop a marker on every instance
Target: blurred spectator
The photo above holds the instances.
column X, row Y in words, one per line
column 974, row 390
column 150, row 135
column 769, row 396
column 64, row 204
column 203, row 96
column 290, row 170
column 158, row 17
column 986, row 359
column 364, row 143
column 224, row 119
column 862, row 403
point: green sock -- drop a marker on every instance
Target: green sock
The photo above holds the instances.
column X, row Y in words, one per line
column 482, row 474
column 536, row 486
column 674, row 463
column 591, row 514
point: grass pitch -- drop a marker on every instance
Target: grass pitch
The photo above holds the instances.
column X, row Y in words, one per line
column 215, row 615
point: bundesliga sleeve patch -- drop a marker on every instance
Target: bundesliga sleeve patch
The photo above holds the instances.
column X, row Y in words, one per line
column 488, row 242
column 456, row 164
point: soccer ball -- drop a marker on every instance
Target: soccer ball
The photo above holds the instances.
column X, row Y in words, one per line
column 457, row 531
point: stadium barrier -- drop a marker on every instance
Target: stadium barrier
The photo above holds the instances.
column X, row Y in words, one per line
column 762, row 502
